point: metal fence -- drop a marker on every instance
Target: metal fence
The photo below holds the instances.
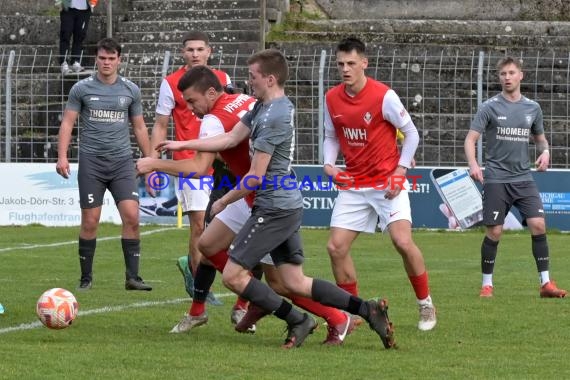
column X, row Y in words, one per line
column 440, row 91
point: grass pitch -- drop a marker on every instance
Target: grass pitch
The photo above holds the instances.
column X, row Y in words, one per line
column 125, row 335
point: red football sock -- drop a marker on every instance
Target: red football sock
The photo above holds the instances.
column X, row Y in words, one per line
column 241, row 303
column 351, row 287
column 197, row 308
column 420, row 285
column 219, row 260
column 330, row 314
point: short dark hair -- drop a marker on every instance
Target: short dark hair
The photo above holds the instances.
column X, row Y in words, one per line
column 196, row 35
column 351, row 43
column 508, row 60
column 271, row 62
column 201, row 78
column 109, row 45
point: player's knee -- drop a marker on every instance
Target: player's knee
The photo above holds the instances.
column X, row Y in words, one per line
column 131, row 224
column 230, row 281
column 205, row 248
column 403, row 244
column 88, row 228
column 337, row 249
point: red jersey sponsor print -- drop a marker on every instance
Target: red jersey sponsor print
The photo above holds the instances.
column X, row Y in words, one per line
column 229, row 109
column 187, row 124
column 367, row 141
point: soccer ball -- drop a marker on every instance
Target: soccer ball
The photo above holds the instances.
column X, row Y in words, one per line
column 57, row 308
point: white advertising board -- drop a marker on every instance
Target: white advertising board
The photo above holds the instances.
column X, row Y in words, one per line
column 36, row 194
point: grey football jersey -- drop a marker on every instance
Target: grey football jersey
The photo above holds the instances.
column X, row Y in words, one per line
column 272, row 132
column 104, row 112
column 507, row 127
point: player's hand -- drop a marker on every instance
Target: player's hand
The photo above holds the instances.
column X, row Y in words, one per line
column 395, row 183
column 342, row 180
column 476, row 173
column 217, row 207
column 62, row 168
column 451, row 221
column 169, row 146
column 542, row 162
column 145, row 165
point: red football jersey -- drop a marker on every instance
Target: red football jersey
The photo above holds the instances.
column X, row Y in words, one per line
column 186, row 124
column 367, row 141
column 229, row 109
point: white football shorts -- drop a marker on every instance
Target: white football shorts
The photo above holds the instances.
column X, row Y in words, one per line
column 192, row 198
column 361, row 209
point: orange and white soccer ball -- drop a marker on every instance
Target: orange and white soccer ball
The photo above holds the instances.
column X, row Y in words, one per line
column 57, row 308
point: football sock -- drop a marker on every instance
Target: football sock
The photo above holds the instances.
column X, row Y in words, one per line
column 351, row 287
column 329, row 294
column 488, row 255
column 263, row 296
column 544, row 277
column 540, row 252
column 219, row 260
column 487, row 280
column 197, row 308
column 131, row 252
column 86, row 253
column 420, row 285
column 257, row 271
column 330, row 314
column 424, row 301
column 286, row 312
column 203, row 280
column 241, row 303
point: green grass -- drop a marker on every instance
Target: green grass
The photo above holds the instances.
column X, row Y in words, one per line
column 513, row 335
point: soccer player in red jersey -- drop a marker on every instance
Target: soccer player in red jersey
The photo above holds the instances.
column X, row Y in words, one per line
column 362, row 117
column 195, row 51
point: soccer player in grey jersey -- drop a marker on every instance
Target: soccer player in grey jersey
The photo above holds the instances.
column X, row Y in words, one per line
column 508, row 120
column 105, row 103
column 277, row 211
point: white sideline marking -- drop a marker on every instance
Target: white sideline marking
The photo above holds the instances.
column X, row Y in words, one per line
column 32, row 246
column 105, row 310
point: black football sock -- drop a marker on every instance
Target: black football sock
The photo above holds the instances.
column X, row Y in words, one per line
column 131, row 253
column 86, row 254
column 263, row 296
column 329, row 294
column 203, row 280
column 257, row 271
column 488, row 255
column 540, row 252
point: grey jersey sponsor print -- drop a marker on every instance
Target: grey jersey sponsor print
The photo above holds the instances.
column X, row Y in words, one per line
column 507, row 127
column 104, row 113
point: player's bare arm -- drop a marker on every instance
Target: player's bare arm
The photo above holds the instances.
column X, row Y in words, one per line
column 141, row 134
column 469, row 147
column 64, row 139
column 543, row 159
column 159, row 132
column 171, row 146
column 331, row 149
column 198, row 165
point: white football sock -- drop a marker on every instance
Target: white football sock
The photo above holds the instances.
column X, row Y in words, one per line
column 544, row 277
